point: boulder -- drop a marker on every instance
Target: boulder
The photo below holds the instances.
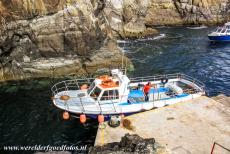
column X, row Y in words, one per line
column 129, row 144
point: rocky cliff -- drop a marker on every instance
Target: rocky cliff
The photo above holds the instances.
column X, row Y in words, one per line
column 40, row 38
column 176, row 12
column 44, row 38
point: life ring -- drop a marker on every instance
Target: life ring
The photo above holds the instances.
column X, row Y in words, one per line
column 164, row 80
column 65, row 97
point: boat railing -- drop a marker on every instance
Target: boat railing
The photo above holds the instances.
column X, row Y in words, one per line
column 74, row 84
column 169, row 76
column 194, row 81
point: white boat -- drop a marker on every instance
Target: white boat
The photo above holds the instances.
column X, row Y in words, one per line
column 221, row 33
column 197, row 27
column 117, row 94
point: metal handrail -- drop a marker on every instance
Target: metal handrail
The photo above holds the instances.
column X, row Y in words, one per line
column 75, row 84
column 215, row 143
column 169, row 76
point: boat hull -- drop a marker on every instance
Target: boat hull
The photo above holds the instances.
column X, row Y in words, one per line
column 219, row 38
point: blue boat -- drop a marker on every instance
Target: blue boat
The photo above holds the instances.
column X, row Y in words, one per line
column 221, row 33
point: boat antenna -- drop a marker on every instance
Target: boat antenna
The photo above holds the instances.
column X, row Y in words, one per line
column 123, row 65
column 122, row 60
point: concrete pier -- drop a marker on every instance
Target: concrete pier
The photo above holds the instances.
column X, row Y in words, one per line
column 185, row 128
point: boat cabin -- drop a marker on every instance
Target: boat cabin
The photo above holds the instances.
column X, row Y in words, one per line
column 225, row 30
column 109, row 88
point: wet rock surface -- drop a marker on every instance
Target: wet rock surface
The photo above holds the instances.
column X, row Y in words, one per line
column 85, row 31
column 41, row 42
column 129, row 144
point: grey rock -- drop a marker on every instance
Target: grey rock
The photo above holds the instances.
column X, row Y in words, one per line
column 26, row 59
column 189, row 8
column 183, row 5
column 128, row 144
column 194, row 9
column 184, row 1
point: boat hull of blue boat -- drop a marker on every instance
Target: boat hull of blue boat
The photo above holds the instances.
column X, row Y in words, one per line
column 219, row 38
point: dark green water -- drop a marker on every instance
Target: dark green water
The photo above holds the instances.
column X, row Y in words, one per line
column 29, row 118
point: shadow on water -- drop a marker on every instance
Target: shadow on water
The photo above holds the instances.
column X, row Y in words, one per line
column 220, row 45
column 28, row 117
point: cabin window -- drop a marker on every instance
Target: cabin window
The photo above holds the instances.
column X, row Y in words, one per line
column 91, row 88
column 219, row 30
column 110, row 95
column 105, row 95
column 96, row 92
column 223, row 30
column 116, row 94
column 228, row 31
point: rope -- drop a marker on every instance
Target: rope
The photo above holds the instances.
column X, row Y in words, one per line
column 102, row 126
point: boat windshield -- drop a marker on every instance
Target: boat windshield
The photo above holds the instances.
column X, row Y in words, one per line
column 91, row 87
column 219, row 30
column 223, row 30
column 95, row 93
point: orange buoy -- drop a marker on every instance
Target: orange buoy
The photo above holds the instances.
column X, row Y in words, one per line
column 84, row 86
column 64, row 97
column 82, row 118
column 65, row 115
column 101, row 118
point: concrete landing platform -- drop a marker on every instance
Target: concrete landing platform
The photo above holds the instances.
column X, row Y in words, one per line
column 185, row 128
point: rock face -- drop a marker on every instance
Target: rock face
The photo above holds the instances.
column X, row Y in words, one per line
column 203, row 11
column 163, row 12
column 40, row 38
column 177, row 12
column 126, row 18
column 43, row 38
column 129, row 144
